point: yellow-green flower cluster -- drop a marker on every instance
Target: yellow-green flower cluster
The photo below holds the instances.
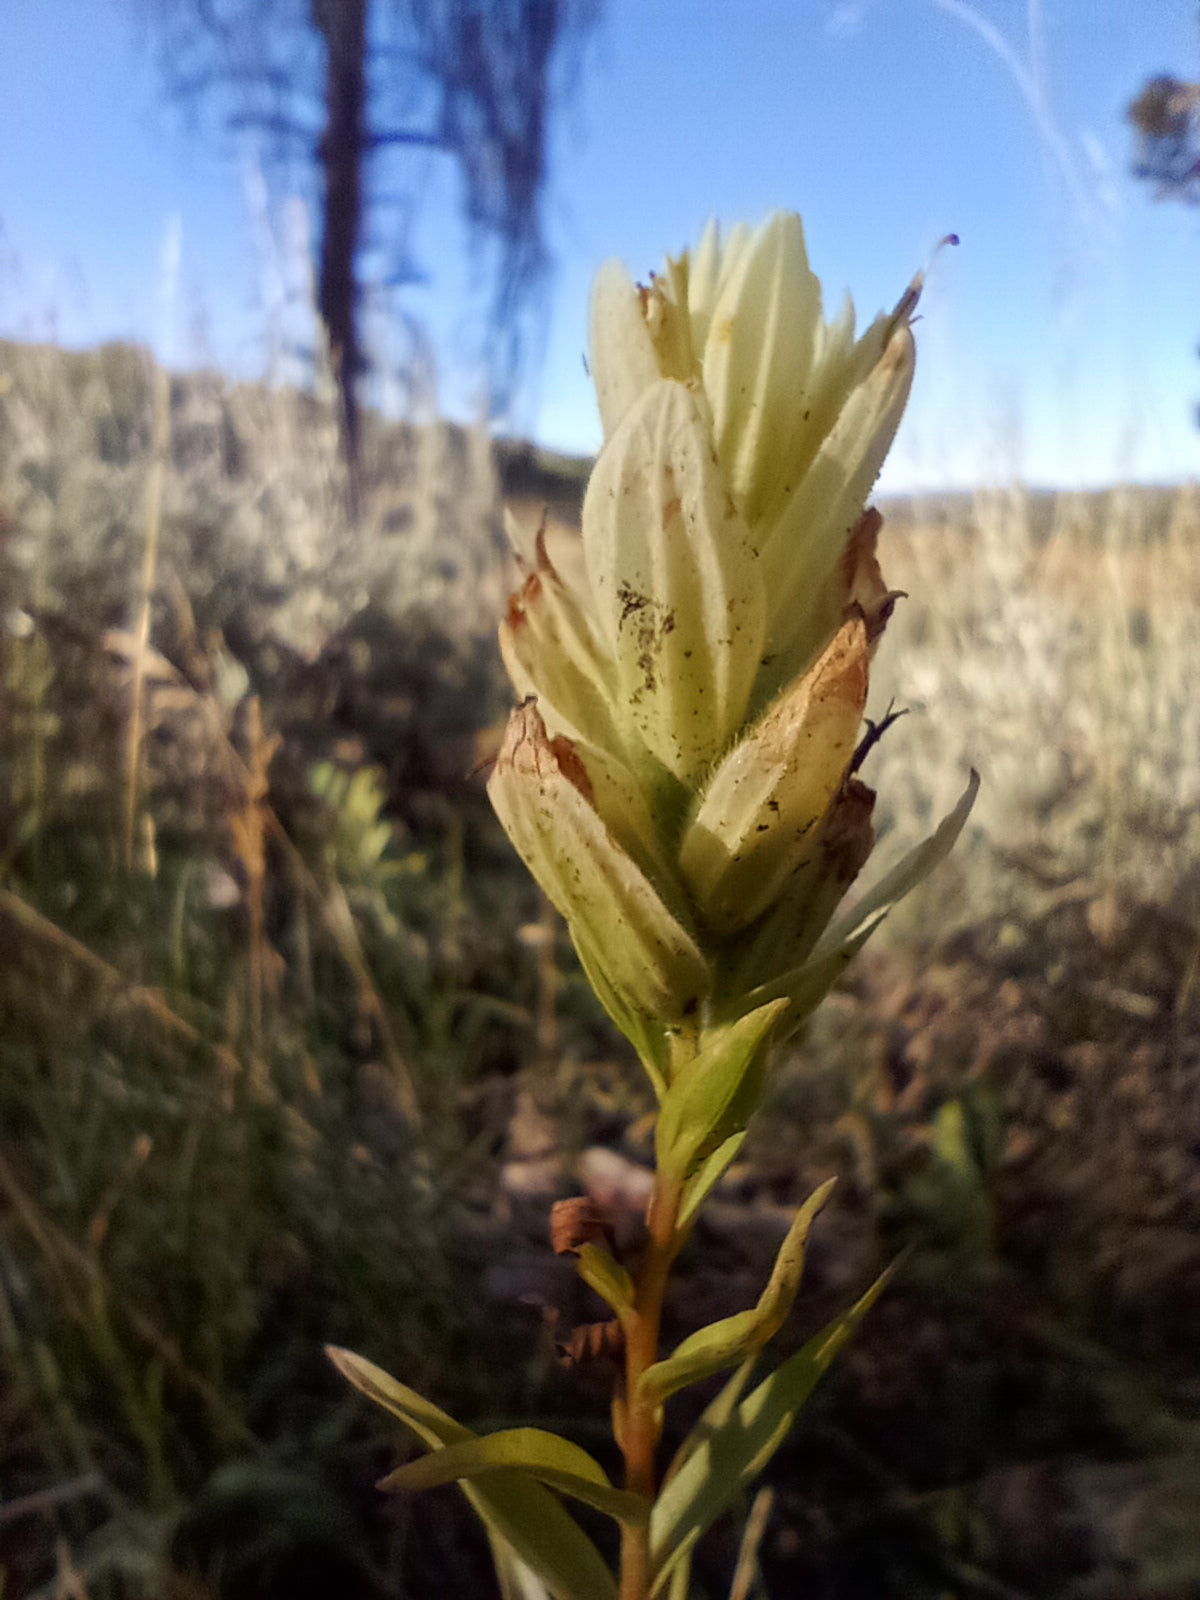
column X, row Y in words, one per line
column 680, row 776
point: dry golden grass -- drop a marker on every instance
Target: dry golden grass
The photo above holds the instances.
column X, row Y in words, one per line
column 1052, row 642
column 250, row 999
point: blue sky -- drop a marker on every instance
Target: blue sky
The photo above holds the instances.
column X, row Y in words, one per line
column 1058, row 342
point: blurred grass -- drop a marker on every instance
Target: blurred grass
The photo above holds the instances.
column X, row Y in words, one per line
column 1050, row 640
column 256, row 1004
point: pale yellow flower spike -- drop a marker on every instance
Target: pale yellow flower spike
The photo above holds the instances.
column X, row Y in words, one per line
column 684, row 789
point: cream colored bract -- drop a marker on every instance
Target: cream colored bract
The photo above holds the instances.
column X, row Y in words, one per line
column 709, row 672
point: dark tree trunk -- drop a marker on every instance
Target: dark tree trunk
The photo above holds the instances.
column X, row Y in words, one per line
column 341, row 153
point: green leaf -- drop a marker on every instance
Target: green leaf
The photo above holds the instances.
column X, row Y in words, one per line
column 517, row 1580
column 777, row 1298
column 721, row 1344
column 721, row 1464
column 426, row 1420
column 681, row 1579
column 556, row 1462
column 601, row 1272
column 715, row 1415
column 512, row 1506
column 729, row 1341
column 646, row 1036
column 905, row 875
column 716, row 1094
column 807, row 985
column 706, row 1178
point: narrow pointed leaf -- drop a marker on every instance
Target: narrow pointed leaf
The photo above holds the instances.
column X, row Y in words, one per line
column 431, row 1424
column 894, row 885
column 715, row 1096
column 723, row 1464
column 715, row 1415
column 732, row 1339
column 777, row 1298
column 681, row 1579
column 807, row 985
column 601, row 1272
column 517, row 1580
column 681, row 1559
column 512, row 1506
column 708, row 1175
column 556, row 1462
column 708, row 1350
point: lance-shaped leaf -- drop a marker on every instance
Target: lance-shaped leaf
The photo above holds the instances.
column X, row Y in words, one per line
column 681, row 1579
column 556, row 1462
column 513, row 1506
column 759, row 819
column 603, row 1273
column 905, row 875
column 542, row 794
column 676, row 583
column 517, row 1580
column 802, row 551
column 714, row 1417
column 807, row 985
column 718, row 1466
column 733, row 1339
column 715, row 1096
column 706, row 1177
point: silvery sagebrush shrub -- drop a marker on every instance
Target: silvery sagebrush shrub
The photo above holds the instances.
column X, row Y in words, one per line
column 681, row 777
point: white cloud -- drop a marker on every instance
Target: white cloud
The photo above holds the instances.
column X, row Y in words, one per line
column 846, row 18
